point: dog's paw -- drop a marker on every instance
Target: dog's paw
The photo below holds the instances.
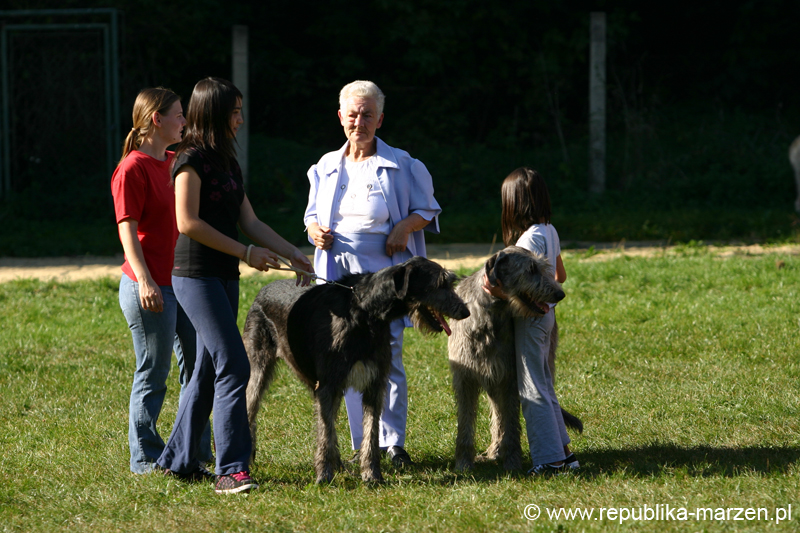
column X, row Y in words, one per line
column 464, row 465
column 370, row 476
column 486, row 457
column 512, row 462
column 325, row 476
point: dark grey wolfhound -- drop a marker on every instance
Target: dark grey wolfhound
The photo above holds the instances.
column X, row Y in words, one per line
column 335, row 337
column 482, row 355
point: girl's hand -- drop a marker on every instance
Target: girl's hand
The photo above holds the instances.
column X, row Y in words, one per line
column 263, row 258
column 494, row 290
column 150, row 296
column 300, row 261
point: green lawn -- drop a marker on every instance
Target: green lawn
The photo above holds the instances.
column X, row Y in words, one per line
column 683, row 367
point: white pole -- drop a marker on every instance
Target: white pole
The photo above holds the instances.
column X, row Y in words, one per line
column 240, row 62
column 597, row 104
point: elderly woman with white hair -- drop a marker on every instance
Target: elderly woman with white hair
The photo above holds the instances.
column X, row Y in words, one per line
column 367, row 208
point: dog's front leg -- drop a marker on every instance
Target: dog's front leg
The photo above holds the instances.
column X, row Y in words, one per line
column 372, row 400
column 327, row 459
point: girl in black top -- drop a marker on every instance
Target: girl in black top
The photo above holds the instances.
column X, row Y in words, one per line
column 211, row 208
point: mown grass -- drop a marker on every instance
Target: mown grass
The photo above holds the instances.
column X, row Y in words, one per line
column 683, row 367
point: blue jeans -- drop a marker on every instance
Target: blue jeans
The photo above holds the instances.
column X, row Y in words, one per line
column 154, row 337
column 219, row 381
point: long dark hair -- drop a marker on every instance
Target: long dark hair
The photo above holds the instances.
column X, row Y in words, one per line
column 526, row 201
column 148, row 101
column 208, row 121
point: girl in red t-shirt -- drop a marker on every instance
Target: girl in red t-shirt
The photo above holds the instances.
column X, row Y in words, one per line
column 144, row 202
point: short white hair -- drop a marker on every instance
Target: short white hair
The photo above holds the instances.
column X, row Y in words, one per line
column 361, row 89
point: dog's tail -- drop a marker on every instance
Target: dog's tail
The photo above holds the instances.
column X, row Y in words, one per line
column 572, row 421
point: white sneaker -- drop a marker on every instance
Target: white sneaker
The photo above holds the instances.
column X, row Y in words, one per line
column 548, row 470
column 572, row 462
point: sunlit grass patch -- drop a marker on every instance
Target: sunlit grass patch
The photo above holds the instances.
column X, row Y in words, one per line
column 683, row 367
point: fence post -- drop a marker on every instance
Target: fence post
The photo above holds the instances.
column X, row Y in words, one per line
column 240, row 63
column 597, row 103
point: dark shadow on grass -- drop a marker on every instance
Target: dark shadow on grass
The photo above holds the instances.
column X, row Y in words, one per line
column 644, row 461
column 436, row 470
column 697, row 461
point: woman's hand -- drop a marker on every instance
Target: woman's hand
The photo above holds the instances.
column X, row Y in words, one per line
column 321, row 235
column 150, row 295
column 397, row 241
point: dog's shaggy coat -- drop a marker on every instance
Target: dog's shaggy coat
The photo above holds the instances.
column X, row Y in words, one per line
column 334, row 338
column 482, row 352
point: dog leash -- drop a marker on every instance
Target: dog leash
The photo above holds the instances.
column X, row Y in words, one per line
column 313, row 277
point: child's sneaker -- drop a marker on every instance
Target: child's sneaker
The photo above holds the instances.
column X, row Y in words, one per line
column 548, row 470
column 572, row 462
column 233, row 483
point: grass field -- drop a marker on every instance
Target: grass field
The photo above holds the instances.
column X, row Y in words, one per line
column 683, row 366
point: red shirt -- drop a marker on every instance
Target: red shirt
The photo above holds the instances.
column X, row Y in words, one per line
column 142, row 192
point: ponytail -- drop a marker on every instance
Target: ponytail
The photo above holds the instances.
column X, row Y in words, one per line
column 131, row 143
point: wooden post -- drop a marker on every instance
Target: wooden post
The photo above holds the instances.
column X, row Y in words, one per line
column 240, row 63
column 597, row 104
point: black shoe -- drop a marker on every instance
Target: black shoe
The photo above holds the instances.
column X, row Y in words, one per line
column 399, row 456
column 201, row 474
column 356, row 459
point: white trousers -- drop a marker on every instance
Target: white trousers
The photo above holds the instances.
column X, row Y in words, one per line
column 544, row 423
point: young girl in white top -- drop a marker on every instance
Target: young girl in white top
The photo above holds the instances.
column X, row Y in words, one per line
column 526, row 223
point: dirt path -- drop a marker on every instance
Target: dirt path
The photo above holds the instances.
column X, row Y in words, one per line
column 451, row 256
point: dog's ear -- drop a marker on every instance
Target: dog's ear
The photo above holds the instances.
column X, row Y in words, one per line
column 400, row 276
column 492, row 264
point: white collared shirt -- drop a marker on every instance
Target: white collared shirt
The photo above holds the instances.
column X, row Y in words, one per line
column 360, row 207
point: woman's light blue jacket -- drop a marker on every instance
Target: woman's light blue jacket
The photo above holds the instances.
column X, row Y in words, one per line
column 406, row 186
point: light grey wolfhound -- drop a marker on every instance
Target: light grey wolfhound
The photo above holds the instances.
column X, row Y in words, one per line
column 482, row 354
